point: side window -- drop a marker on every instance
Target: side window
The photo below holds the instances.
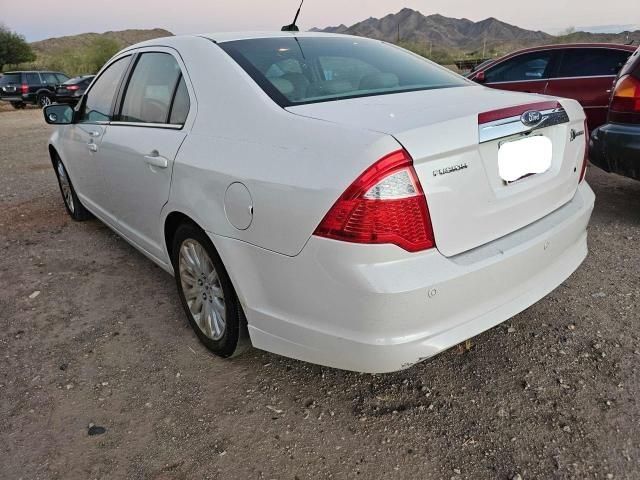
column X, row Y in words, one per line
column 151, row 89
column 181, row 104
column 61, row 77
column 591, row 62
column 98, row 101
column 530, row 66
column 33, row 79
column 49, row 78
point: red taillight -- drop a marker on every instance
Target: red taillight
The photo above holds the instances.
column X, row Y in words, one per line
column 585, row 160
column 24, row 88
column 72, row 87
column 385, row 204
column 625, row 101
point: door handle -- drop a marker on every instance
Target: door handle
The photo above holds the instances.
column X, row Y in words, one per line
column 92, row 147
column 156, row 160
column 94, row 134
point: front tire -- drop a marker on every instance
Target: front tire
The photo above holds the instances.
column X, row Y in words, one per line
column 206, row 293
column 74, row 207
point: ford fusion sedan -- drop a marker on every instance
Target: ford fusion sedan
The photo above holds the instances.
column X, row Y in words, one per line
column 329, row 198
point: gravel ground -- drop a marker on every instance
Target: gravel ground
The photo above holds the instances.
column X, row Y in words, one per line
column 92, row 334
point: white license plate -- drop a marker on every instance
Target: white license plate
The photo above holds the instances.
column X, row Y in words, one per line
column 523, row 157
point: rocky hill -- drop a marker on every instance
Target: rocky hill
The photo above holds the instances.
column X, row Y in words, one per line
column 458, row 37
column 55, row 46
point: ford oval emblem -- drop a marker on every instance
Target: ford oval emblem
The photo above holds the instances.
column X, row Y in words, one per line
column 531, row 118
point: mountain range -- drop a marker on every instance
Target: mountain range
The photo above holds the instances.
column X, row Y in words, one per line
column 459, row 37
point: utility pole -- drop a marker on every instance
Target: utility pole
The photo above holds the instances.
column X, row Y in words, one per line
column 484, row 47
column 398, row 32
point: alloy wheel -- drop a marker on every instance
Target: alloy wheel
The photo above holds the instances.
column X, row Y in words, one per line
column 202, row 289
column 65, row 186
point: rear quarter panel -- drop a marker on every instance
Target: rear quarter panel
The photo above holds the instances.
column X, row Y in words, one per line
column 294, row 168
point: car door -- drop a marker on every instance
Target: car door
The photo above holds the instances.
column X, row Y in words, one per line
column 587, row 75
column 526, row 72
column 139, row 147
column 81, row 140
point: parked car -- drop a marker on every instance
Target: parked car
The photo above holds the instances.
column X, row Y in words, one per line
column 584, row 72
column 72, row 90
column 331, row 198
column 615, row 146
column 30, row 87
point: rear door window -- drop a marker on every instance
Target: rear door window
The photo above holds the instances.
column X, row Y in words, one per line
column 151, row 89
column 33, row 79
column 97, row 107
column 591, row 62
column 526, row 67
column 181, row 104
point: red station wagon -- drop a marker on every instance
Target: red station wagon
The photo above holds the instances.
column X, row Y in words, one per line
column 582, row 71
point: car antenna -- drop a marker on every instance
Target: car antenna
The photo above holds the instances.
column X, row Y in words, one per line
column 293, row 27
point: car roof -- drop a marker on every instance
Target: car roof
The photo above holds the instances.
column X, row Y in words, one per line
column 34, row 71
column 556, row 46
column 222, row 37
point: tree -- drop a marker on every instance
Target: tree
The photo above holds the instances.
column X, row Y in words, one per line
column 13, row 48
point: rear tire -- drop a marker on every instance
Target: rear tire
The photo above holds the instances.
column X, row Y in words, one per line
column 206, row 293
column 74, row 207
column 44, row 100
column 18, row 105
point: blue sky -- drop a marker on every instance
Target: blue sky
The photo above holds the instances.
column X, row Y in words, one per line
column 192, row 16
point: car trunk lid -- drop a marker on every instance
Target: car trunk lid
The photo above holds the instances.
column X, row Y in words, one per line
column 454, row 137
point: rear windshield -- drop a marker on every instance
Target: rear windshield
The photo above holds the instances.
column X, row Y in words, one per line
column 302, row 70
column 74, row 80
column 8, row 78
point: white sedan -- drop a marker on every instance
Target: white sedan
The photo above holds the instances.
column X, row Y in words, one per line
column 329, row 198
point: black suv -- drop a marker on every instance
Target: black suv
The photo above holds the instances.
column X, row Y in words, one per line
column 615, row 146
column 35, row 88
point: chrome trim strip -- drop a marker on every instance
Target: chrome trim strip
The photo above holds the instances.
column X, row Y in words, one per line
column 506, row 127
column 555, row 79
column 149, row 125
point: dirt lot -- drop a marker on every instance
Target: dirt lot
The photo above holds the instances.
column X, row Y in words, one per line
column 551, row 394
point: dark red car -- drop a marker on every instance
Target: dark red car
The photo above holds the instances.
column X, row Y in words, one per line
column 582, row 71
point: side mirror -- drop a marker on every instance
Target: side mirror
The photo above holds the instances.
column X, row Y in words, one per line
column 479, row 77
column 58, row 114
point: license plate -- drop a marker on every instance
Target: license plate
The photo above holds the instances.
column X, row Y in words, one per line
column 524, row 157
column 9, row 89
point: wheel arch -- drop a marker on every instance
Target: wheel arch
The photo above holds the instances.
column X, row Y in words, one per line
column 53, row 155
column 171, row 224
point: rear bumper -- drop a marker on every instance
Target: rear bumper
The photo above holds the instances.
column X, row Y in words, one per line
column 377, row 309
column 616, row 148
column 68, row 99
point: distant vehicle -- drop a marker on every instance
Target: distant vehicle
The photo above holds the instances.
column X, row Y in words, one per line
column 72, row 90
column 30, row 87
column 582, row 71
column 615, row 146
column 375, row 210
